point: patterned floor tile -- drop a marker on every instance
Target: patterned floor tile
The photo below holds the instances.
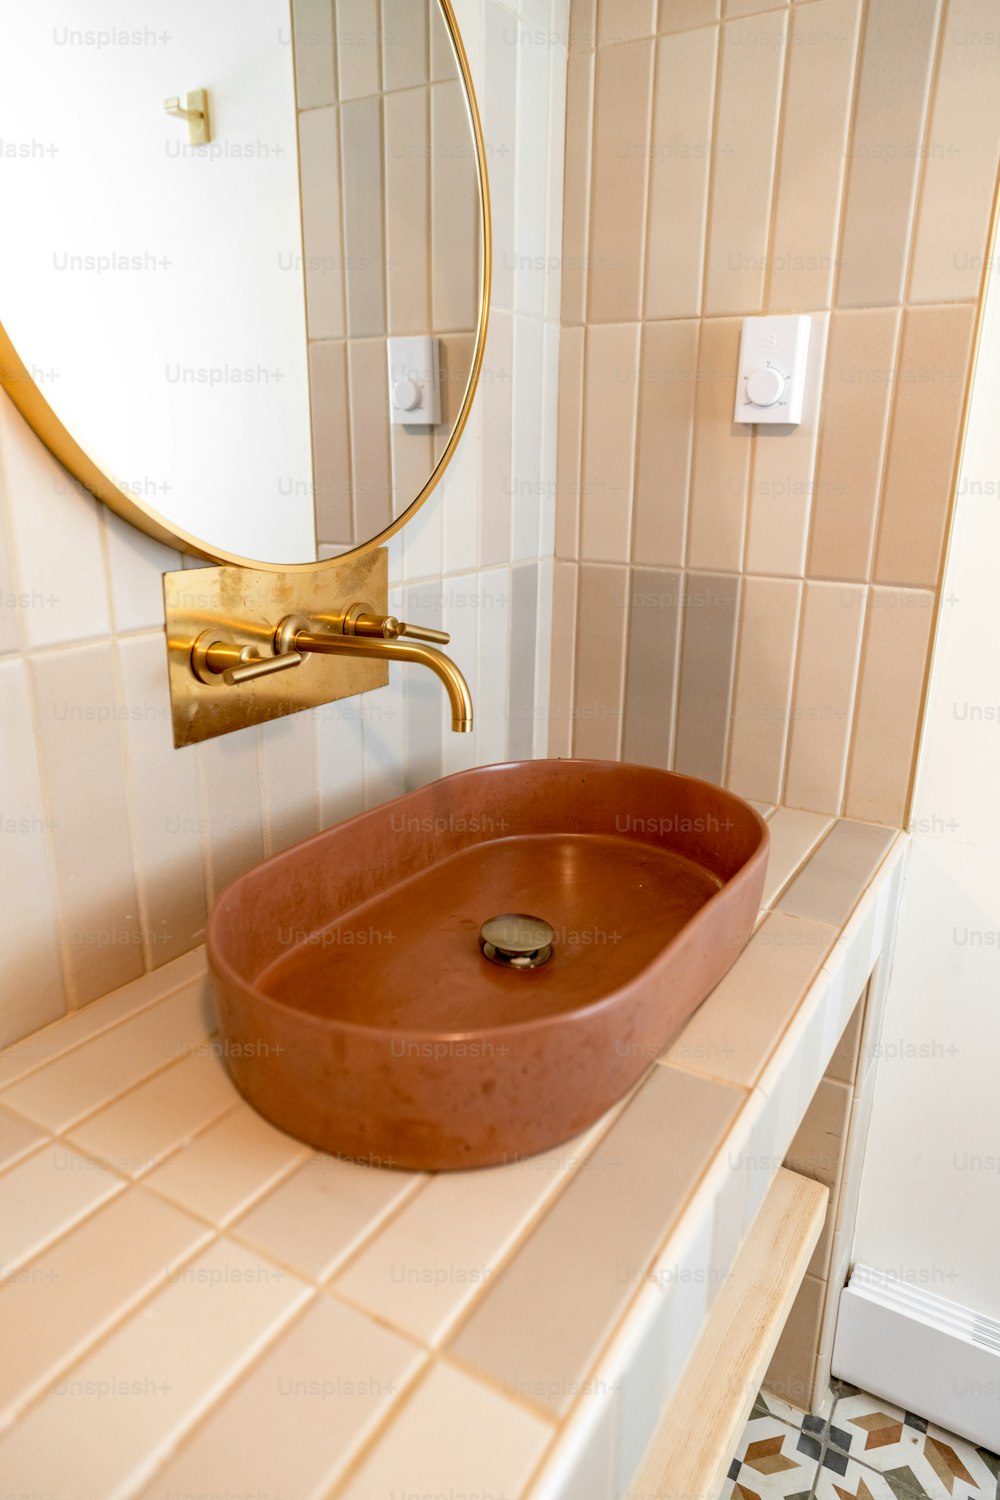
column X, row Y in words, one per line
column 841, row 1478
column 773, row 1462
column 915, row 1457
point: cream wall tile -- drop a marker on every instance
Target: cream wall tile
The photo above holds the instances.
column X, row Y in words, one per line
column 666, row 431
column 651, row 679
column 576, row 191
column 407, row 199
column 194, row 1336
column 381, row 718
column 679, row 15
column 620, row 1205
column 17, row 1138
column 885, row 150
column 358, row 55
column 781, row 493
column 753, row 1004
column 32, row 992
column 565, row 579
column 288, row 781
column 319, row 166
column 144, row 1125
column 371, row 462
column 363, row 199
column 233, row 818
column 954, row 214
column 495, row 455
column 762, row 696
column 462, row 605
column 524, row 610
column 76, row 708
column 622, row 100
column 925, row 431
column 43, row 502
column 453, row 1435
column 582, row 1461
column 822, row 706
column 43, row 1196
column 793, row 835
column 167, row 829
column 405, row 54
column 745, row 141
column 339, row 760
column 530, row 176
column 526, row 462
column 11, row 601
column 422, row 705
column 680, row 153
column 80, row 1082
column 720, row 467
column 894, row 663
column 225, row 1168
column 315, row 55
column 600, row 661
column 708, row 648
column 492, row 665
column 830, row 886
column 293, row 1425
column 322, row 1213
column 78, row 1288
column 454, row 213
column 609, row 425
column 136, row 565
column 499, row 105
column 860, row 370
column 331, row 447
column 570, row 438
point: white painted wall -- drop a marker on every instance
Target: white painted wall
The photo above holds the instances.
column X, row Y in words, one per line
column 930, row 1206
column 93, row 167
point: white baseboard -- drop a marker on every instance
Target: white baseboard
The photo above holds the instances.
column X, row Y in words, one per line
column 922, row 1352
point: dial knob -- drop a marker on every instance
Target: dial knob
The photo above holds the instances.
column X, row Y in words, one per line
column 406, row 394
column 766, row 385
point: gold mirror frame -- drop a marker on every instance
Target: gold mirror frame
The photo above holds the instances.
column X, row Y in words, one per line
column 17, row 381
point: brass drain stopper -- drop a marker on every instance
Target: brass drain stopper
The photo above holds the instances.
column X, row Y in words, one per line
column 516, row 941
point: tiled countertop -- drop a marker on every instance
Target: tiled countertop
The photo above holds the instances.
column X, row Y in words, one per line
column 195, row 1304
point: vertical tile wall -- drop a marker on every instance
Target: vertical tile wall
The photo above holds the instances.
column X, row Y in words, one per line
column 112, row 844
column 755, row 606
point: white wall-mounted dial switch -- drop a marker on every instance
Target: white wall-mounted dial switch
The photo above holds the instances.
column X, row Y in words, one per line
column 772, row 375
column 414, row 382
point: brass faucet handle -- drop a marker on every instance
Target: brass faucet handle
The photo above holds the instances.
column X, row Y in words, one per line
column 214, row 656
column 361, row 620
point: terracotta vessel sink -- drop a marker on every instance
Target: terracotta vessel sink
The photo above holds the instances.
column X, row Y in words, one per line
column 359, row 1013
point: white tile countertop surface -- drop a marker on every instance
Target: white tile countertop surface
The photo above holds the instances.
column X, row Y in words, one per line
column 193, row 1302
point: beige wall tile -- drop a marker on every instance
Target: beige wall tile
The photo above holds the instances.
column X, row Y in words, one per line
column 226, row 1167
column 790, row 1372
column 763, row 692
column 679, row 15
column 76, row 708
column 83, row 1284
column 315, row 55
column 405, row 56
column 319, row 167
column 609, row 426
column 721, row 463
column 364, row 234
column 80, row 1082
column 954, row 214
column 600, row 662
column 754, row 1003
column 923, row 438
column 582, row 25
column 576, row 190
column 885, row 150
column 667, row 391
column 623, row 89
column 651, row 680
column 749, row 7
column 624, row 20
column 825, row 680
column 193, row 1337
column 811, row 159
column 371, row 465
column 860, row 370
column 745, row 142
column 564, row 590
column 708, row 649
column 357, row 24
column 680, row 154
column 794, row 834
column 331, row 442
column 886, row 721
column 292, row 1426
column 621, row 1203
column 407, row 199
column 454, row 213
column 17, row 1138
column 781, row 492
column 449, row 1435
column 43, row 1196
column 838, row 874
column 817, row 1150
column 570, row 442
column 32, row 992
column 844, row 1062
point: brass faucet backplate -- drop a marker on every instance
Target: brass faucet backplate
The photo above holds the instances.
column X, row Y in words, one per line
column 244, row 606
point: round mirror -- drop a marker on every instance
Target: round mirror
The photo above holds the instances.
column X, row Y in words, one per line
column 245, row 263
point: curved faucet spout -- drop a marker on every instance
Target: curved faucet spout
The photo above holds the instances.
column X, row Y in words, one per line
column 399, row 650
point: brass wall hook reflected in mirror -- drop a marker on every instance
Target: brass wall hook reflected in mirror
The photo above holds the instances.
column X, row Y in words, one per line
column 192, row 107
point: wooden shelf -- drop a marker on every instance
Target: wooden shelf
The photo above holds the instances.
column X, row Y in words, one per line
column 694, row 1443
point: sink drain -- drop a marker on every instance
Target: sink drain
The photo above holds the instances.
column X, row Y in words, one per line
column 515, row 941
